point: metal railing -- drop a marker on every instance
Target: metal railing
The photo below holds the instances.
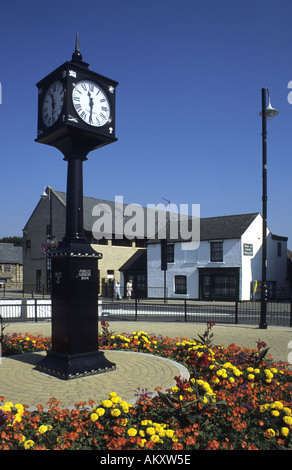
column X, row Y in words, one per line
column 278, row 313
column 185, row 310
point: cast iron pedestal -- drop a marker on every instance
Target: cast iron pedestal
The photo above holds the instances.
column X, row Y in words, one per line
column 74, row 293
column 74, row 350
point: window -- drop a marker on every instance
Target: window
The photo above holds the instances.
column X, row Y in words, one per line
column 279, row 249
column 180, row 284
column 224, row 286
column 216, row 251
column 38, row 280
column 170, row 252
column 7, row 268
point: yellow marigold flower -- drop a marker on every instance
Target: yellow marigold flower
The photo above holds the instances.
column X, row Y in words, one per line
column 231, row 380
column 174, row 389
column 150, row 431
column 287, row 411
column 285, row 431
column 28, row 444
column 116, row 400
column 287, row 420
column 6, row 407
column 257, row 371
column 271, row 432
column 116, row 412
column 20, row 408
column 274, row 370
column 249, row 369
column 107, row 403
column 113, row 394
column 250, row 376
column 42, row 429
column 141, row 433
column 275, row 413
column 17, row 418
column 94, row 417
column 278, row 405
column 169, row 433
column 100, row 411
column 132, row 432
column 155, row 438
column 142, row 443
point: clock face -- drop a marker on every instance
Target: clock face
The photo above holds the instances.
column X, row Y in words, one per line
column 53, row 103
column 91, row 103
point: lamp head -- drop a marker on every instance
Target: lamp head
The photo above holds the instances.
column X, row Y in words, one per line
column 270, row 111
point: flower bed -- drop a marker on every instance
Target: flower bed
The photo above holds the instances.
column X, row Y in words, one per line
column 236, row 398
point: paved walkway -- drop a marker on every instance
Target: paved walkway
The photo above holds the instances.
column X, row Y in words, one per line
column 20, row 382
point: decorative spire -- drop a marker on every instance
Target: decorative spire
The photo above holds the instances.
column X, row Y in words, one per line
column 77, row 54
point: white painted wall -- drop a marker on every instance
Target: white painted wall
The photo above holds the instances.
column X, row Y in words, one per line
column 187, row 262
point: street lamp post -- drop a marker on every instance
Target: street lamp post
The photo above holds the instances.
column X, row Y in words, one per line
column 267, row 113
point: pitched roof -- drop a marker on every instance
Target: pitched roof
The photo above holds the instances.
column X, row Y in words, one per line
column 137, row 262
column 225, row 227
column 211, row 228
column 115, row 209
column 10, row 254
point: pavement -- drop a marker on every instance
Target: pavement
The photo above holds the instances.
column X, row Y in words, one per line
column 135, row 372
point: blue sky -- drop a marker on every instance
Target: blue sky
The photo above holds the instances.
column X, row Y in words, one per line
column 190, row 74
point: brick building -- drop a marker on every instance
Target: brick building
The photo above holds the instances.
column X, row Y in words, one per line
column 11, row 271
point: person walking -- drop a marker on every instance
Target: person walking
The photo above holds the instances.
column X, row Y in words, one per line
column 117, row 290
column 129, row 287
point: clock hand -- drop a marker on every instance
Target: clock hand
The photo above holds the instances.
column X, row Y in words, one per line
column 90, row 105
column 53, row 103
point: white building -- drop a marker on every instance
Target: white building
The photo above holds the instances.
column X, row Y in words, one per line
column 226, row 265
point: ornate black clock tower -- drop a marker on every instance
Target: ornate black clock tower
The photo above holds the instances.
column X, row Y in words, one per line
column 76, row 114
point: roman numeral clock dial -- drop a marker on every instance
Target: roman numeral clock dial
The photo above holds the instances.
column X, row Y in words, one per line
column 53, row 103
column 91, row 103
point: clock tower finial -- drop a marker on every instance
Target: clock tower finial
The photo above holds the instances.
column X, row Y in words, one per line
column 77, row 54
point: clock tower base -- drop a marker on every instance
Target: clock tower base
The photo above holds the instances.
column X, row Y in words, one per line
column 69, row 367
column 75, row 284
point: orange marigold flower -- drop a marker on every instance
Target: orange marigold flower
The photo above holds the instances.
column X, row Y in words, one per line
column 189, row 440
column 177, row 446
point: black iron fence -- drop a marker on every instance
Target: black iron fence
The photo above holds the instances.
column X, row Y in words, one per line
column 278, row 313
